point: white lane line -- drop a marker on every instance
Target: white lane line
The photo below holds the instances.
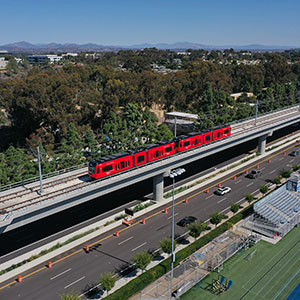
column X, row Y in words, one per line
column 60, row 274
column 125, row 240
column 291, row 160
column 281, row 158
column 249, row 184
column 139, row 246
column 171, row 216
column 209, row 196
column 222, row 200
column 262, row 168
column 273, row 171
column 74, row 282
column 238, row 181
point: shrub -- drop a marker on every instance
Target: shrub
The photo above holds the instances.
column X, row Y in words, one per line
column 276, row 180
column 285, row 173
column 295, row 167
column 216, row 218
column 234, row 208
column 264, row 189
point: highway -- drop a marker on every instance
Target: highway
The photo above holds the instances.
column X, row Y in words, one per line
column 78, row 270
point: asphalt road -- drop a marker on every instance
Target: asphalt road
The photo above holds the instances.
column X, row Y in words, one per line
column 77, row 270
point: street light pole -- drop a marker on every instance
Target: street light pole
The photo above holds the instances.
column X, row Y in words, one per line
column 172, row 175
column 256, row 110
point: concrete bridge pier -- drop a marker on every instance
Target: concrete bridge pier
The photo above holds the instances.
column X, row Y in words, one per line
column 158, row 186
column 262, row 143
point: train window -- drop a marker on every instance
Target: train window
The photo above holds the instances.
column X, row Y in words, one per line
column 98, row 170
column 226, row 131
column 157, row 153
column 185, row 144
column 107, row 168
column 122, row 165
column 219, row 134
column 168, row 149
column 140, row 159
column 196, row 141
column 208, row 138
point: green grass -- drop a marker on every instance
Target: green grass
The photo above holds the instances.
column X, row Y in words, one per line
column 273, row 272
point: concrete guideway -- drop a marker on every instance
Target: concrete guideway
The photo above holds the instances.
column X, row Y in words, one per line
column 222, row 175
column 78, row 191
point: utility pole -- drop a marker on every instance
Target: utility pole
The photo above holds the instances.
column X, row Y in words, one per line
column 256, row 110
column 40, row 169
column 175, row 128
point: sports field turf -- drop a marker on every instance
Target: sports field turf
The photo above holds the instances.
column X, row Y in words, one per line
column 272, row 273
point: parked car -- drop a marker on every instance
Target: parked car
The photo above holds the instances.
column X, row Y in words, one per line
column 295, row 153
column 254, row 174
column 223, row 190
column 186, row 221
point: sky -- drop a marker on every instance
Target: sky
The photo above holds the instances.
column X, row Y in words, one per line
column 129, row 22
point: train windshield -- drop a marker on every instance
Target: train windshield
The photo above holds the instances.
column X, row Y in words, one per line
column 92, row 168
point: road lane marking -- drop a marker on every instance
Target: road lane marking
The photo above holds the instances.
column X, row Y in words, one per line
column 249, row 184
column 125, row 240
column 154, row 214
column 222, row 200
column 60, row 274
column 238, row 181
column 262, row 168
column 281, row 158
column 273, row 171
column 174, row 216
column 139, row 246
column 291, row 160
column 74, row 282
column 209, row 196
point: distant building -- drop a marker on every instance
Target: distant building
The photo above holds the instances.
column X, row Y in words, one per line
column 3, row 63
column 70, row 54
column 235, row 96
column 184, row 121
column 44, row 59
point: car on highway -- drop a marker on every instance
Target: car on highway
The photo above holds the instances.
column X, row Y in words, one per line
column 223, row 190
column 254, row 174
column 295, row 153
column 186, row 221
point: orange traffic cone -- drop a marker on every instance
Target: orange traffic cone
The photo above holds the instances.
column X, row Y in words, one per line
column 87, row 248
column 234, row 178
column 117, row 233
column 49, row 264
column 207, row 191
column 20, row 278
column 220, row 185
column 247, row 171
column 186, row 200
column 257, row 166
column 166, row 210
column 144, row 221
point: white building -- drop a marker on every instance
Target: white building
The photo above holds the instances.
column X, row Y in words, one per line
column 43, row 59
column 3, row 63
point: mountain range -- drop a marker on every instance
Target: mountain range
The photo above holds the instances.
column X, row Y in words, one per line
column 72, row 47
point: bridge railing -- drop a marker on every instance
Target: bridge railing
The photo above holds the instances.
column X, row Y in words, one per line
column 263, row 114
column 73, row 168
column 44, row 176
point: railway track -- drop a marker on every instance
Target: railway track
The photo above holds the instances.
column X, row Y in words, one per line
column 236, row 130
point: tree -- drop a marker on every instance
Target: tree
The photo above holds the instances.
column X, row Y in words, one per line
column 249, row 198
column 196, row 229
column 216, row 218
column 70, row 296
column 107, row 281
column 142, row 260
column 164, row 133
column 285, row 173
column 166, row 245
column 234, row 208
